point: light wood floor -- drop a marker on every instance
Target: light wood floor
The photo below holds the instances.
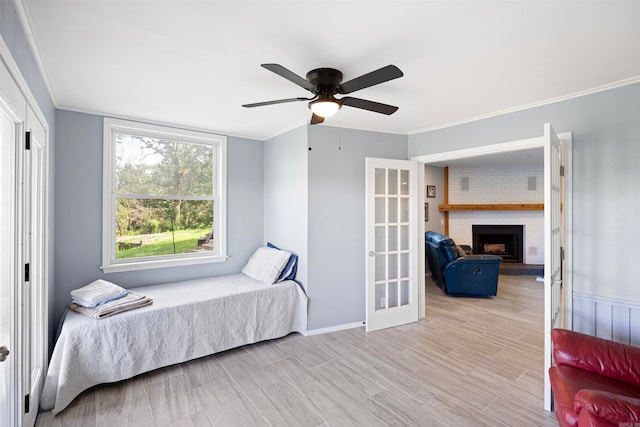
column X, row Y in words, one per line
column 470, row 362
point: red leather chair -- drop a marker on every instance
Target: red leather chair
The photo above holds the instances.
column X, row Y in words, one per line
column 595, row 382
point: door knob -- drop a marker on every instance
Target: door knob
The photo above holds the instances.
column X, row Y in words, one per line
column 4, row 352
column 372, row 254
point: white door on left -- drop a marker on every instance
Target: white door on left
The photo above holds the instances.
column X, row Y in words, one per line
column 23, row 270
column 8, row 261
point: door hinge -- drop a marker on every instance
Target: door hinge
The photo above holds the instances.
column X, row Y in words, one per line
column 26, row 272
column 562, row 254
column 27, row 399
column 27, row 140
column 561, row 170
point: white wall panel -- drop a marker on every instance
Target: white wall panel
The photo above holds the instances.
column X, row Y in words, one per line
column 608, row 318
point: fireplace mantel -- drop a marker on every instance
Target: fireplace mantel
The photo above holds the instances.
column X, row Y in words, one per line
column 492, row 207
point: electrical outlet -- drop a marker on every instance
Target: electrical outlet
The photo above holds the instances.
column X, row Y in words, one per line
column 383, row 302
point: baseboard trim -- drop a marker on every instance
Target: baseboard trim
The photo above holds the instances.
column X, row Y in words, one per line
column 336, row 328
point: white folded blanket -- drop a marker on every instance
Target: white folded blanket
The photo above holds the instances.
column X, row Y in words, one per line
column 131, row 301
column 96, row 293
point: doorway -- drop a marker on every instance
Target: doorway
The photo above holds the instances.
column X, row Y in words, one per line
column 562, row 205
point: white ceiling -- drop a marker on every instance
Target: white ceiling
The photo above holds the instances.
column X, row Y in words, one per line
column 193, row 63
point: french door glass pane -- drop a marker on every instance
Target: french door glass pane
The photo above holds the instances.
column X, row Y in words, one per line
column 380, row 181
column 404, row 182
column 404, row 209
column 380, row 240
column 404, row 237
column 404, row 265
column 393, row 181
column 393, row 209
column 392, row 243
column 380, row 216
column 393, row 267
column 381, row 271
column 404, row 292
column 380, row 296
column 393, row 294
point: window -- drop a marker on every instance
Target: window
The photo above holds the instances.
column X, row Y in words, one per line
column 164, row 197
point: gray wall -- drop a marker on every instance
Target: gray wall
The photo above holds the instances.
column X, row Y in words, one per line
column 336, row 269
column 606, row 172
column 15, row 39
column 79, row 210
column 286, row 195
column 314, row 180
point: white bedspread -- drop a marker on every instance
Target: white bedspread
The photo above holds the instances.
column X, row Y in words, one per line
column 187, row 320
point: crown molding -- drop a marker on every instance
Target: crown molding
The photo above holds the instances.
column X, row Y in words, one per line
column 7, row 58
column 25, row 21
column 608, row 86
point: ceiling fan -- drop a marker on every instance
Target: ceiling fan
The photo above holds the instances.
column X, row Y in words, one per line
column 324, row 83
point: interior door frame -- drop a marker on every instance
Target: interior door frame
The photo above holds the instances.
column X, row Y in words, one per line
column 566, row 201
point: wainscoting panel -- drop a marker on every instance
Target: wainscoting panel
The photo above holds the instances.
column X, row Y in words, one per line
column 609, row 318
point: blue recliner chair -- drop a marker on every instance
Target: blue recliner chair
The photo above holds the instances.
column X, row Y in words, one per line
column 457, row 273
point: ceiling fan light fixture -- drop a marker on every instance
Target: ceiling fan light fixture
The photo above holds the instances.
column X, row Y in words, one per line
column 325, row 107
column 324, row 83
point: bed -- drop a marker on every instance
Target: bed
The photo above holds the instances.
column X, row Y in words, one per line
column 187, row 320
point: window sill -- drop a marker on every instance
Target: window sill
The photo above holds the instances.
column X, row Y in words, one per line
column 161, row 263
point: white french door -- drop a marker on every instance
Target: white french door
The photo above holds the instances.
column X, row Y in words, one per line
column 552, row 250
column 391, row 243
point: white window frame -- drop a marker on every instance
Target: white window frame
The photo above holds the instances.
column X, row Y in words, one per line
column 110, row 264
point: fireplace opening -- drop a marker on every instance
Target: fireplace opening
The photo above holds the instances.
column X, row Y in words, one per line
column 503, row 240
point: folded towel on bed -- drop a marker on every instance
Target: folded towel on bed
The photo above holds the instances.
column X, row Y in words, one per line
column 96, row 293
column 131, row 301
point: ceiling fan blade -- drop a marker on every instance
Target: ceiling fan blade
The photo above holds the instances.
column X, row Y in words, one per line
column 315, row 119
column 289, row 75
column 369, row 105
column 378, row 76
column 277, row 101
